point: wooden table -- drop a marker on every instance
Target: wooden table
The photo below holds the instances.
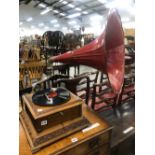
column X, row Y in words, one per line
column 92, row 141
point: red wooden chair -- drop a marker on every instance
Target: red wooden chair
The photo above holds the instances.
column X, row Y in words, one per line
column 103, row 99
column 128, row 90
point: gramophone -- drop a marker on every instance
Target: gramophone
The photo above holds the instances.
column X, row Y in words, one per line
column 47, row 123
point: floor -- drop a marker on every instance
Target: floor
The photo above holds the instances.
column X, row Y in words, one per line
column 123, row 121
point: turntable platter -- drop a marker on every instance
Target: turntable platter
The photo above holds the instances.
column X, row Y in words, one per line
column 50, row 97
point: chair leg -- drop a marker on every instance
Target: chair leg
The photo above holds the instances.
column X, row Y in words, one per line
column 117, row 113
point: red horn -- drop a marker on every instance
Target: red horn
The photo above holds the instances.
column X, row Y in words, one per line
column 105, row 53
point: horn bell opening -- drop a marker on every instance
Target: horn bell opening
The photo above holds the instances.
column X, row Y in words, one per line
column 115, row 51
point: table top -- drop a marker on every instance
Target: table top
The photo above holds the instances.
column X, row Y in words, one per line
column 66, row 143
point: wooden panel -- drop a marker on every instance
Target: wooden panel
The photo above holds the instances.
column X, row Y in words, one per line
column 56, row 118
column 93, row 144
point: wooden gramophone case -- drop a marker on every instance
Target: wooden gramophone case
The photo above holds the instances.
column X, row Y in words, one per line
column 44, row 125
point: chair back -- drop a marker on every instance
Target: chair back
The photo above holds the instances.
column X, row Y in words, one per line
column 129, row 55
column 104, row 98
column 35, row 54
column 49, row 82
column 93, row 77
column 33, row 70
column 78, row 85
column 128, row 89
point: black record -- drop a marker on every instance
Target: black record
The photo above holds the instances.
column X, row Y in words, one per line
column 51, row 97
